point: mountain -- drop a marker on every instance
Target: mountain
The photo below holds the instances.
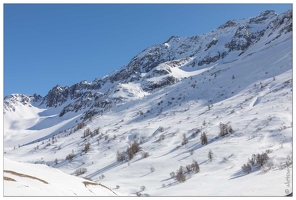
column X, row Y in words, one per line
column 233, row 84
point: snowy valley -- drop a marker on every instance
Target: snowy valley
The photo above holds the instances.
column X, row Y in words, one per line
column 140, row 130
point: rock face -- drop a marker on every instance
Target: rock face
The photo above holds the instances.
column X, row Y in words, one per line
column 153, row 68
column 11, row 102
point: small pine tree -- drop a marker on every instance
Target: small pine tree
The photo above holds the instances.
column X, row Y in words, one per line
column 70, row 157
column 86, row 147
column 145, row 154
column 120, row 156
column 261, row 159
column 210, row 155
column 172, row 174
column 204, row 122
column 195, row 166
column 180, row 175
column 225, row 129
column 142, row 188
column 185, row 141
column 204, row 138
column 247, row 168
column 133, row 149
column 152, row 169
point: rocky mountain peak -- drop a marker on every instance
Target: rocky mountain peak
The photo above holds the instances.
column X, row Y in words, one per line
column 152, row 67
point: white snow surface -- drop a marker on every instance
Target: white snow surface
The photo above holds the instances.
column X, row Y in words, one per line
column 251, row 92
column 40, row 180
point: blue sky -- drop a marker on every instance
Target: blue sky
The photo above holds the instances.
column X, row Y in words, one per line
column 50, row 44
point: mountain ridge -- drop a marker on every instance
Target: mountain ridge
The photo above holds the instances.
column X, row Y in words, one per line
column 169, row 55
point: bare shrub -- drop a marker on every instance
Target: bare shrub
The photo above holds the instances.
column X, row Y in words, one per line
column 120, row 156
column 102, row 177
column 152, row 169
column 180, row 176
column 86, row 147
column 80, row 171
column 97, row 131
column 252, row 161
column 133, row 149
column 268, row 151
column 172, row 174
column 80, row 125
column 225, row 129
column 247, row 168
column 86, row 133
column 194, row 134
column 70, row 157
column 184, row 141
column 142, row 188
column 204, row 138
column 210, row 155
column 195, row 166
column 145, row 154
column 261, row 159
column 161, row 137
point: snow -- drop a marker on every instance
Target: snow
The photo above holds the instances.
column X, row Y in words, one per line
column 41, row 180
column 251, row 92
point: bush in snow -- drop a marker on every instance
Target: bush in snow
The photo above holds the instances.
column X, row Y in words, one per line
column 185, row 141
column 172, row 174
column 80, row 125
column 86, row 147
column 180, row 176
column 225, row 129
column 161, row 137
column 97, row 131
column 133, row 149
column 86, row 133
column 194, row 134
column 120, row 156
column 258, row 160
column 161, row 129
column 142, row 188
column 247, row 168
column 138, row 194
column 195, row 167
column 152, row 169
column 70, row 157
column 261, row 159
column 80, row 171
column 106, row 137
column 204, row 138
column 145, row 154
column 210, row 155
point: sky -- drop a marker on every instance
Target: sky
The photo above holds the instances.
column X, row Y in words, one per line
column 50, row 44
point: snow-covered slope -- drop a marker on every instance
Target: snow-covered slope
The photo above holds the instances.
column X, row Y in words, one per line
column 170, row 94
column 23, row 179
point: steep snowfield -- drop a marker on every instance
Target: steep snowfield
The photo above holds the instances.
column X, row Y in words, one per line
column 251, row 92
